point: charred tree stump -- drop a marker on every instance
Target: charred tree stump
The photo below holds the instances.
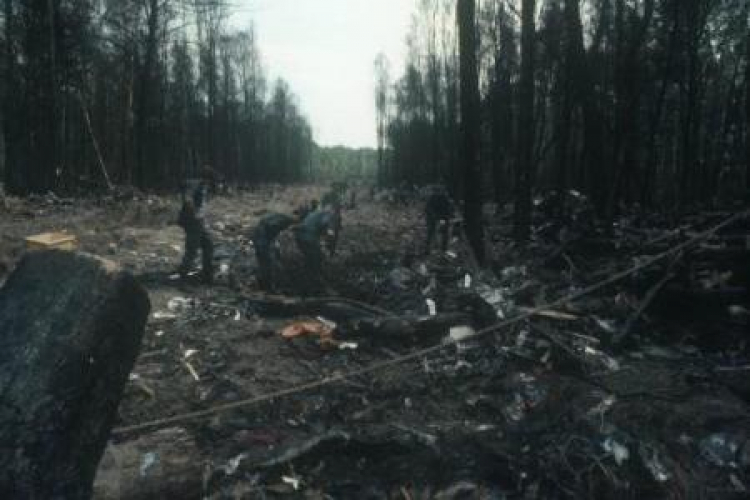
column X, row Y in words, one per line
column 70, row 331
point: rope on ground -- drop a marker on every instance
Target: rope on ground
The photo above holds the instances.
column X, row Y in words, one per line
column 384, row 365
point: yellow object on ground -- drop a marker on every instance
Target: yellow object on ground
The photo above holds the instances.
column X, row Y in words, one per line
column 62, row 241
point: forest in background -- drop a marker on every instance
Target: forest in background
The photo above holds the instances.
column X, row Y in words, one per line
column 627, row 101
column 340, row 162
column 143, row 93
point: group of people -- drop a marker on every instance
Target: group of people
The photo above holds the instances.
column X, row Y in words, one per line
column 312, row 226
column 315, row 226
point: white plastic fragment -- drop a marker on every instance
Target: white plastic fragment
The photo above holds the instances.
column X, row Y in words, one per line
column 485, row 427
column 149, row 459
column 603, row 406
column 607, row 325
column 431, row 307
column 737, row 483
column 461, row 332
column 522, row 337
column 232, row 466
column 178, row 304
column 192, row 371
column 164, row 315
column 737, row 311
column 294, row 482
column 224, row 269
column 327, row 322
column 653, row 463
column 618, row 451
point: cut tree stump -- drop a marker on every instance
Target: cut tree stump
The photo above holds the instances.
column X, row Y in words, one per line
column 71, row 327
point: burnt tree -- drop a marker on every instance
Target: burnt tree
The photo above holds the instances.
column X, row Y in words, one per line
column 525, row 164
column 71, row 329
column 747, row 112
column 472, row 168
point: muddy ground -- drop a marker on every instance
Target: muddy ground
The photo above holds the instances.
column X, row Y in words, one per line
column 595, row 398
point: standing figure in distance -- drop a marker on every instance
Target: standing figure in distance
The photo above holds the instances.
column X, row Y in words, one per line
column 438, row 214
column 193, row 222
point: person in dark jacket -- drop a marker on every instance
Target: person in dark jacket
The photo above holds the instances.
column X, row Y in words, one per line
column 319, row 225
column 335, row 196
column 197, row 236
column 264, row 239
column 438, row 213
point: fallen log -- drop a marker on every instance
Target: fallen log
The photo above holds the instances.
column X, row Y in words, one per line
column 410, row 329
column 461, row 309
column 71, row 327
column 336, row 308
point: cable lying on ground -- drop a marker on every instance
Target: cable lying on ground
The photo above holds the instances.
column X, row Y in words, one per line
column 375, row 367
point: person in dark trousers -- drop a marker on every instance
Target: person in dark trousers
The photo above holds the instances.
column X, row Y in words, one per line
column 321, row 224
column 264, row 239
column 197, row 236
column 335, row 196
column 438, row 214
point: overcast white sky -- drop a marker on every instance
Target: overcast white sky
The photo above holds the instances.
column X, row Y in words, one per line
column 325, row 49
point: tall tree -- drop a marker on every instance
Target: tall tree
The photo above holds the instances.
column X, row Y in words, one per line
column 382, row 84
column 12, row 175
column 525, row 167
column 472, row 168
column 501, row 100
column 145, row 107
column 32, row 160
column 747, row 110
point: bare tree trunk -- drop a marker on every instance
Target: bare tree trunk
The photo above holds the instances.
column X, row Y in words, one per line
column 649, row 187
column 627, row 94
column 565, row 113
column 502, row 108
column 696, row 14
column 12, row 175
column 747, row 114
column 525, row 166
column 144, row 99
column 470, row 127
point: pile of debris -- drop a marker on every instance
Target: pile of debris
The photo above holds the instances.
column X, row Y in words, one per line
column 412, row 393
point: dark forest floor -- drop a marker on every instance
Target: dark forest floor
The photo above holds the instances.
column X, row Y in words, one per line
column 593, row 398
